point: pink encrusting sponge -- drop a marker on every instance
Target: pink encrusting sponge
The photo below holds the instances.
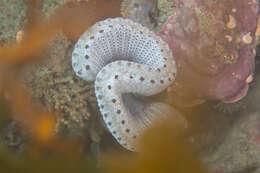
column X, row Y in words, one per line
column 214, row 48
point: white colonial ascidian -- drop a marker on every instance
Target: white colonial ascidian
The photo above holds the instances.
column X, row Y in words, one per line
column 127, row 62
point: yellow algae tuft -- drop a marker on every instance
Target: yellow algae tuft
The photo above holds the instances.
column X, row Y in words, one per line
column 19, row 36
column 249, row 78
column 247, row 39
column 231, row 23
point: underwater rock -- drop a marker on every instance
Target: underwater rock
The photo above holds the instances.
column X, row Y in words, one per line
column 127, row 61
column 89, row 12
column 13, row 136
column 144, row 12
column 12, row 16
column 49, row 6
column 239, row 151
column 213, row 44
column 165, row 11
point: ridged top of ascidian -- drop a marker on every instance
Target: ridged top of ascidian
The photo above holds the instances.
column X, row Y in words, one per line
column 118, row 39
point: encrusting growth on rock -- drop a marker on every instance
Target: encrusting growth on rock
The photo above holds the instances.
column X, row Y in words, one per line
column 213, row 44
column 144, row 12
